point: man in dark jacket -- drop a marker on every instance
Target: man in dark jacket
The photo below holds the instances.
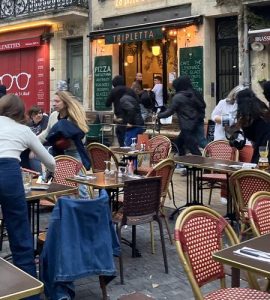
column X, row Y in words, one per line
column 131, row 117
column 187, row 106
column 119, row 89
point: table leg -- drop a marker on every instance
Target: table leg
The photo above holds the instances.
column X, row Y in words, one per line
column 235, row 277
column 193, row 190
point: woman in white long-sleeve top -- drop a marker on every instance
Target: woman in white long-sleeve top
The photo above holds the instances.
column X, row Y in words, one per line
column 15, row 138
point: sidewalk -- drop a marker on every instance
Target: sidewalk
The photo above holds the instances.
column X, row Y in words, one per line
column 146, row 274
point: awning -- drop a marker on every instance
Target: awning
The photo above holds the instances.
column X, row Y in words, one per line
column 259, row 36
column 140, row 32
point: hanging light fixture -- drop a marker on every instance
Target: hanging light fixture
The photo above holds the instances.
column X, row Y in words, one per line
column 156, row 50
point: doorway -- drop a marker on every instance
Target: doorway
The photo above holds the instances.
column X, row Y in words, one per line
column 227, row 70
column 75, row 67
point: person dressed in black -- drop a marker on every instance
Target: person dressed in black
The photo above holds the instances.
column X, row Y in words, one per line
column 253, row 116
column 131, row 116
column 187, row 107
column 266, row 90
column 119, row 89
column 3, row 90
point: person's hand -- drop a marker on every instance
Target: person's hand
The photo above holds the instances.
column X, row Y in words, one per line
column 118, row 120
column 32, row 155
column 129, row 125
column 49, row 176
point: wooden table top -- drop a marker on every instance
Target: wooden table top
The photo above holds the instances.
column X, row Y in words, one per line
column 228, row 257
column 128, row 151
column 16, row 284
column 209, row 163
column 54, row 189
column 99, row 181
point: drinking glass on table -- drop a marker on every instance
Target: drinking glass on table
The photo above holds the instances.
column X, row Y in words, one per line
column 27, row 181
column 263, row 160
column 107, row 170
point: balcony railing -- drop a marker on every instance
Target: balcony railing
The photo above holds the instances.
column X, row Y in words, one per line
column 15, row 8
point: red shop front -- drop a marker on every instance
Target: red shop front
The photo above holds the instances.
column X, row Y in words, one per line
column 24, row 66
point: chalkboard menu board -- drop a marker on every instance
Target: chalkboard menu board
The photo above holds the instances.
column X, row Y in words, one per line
column 102, row 81
column 191, row 64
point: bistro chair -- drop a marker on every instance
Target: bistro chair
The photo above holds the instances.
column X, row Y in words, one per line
column 200, row 231
column 98, row 154
column 259, row 213
column 98, row 239
column 243, row 184
column 219, row 149
column 66, row 166
column 161, row 147
column 165, row 170
column 141, row 205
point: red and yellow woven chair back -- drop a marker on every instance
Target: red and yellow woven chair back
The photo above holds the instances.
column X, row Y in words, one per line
column 98, row 154
column 259, row 212
column 244, row 183
column 199, row 231
column 165, row 170
column 161, row 146
column 67, row 166
column 221, row 149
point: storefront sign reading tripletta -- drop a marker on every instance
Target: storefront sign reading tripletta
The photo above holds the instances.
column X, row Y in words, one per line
column 134, row 36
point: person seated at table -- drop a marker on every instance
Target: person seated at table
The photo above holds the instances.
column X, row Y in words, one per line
column 16, row 137
column 38, row 122
column 131, row 117
column 253, row 116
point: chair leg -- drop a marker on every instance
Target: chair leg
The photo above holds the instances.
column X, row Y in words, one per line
column 103, row 287
column 152, row 238
column 164, row 216
column 162, row 244
column 121, row 269
column 210, row 194
column 133, row 240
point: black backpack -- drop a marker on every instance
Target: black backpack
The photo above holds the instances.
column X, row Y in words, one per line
column 148, row 99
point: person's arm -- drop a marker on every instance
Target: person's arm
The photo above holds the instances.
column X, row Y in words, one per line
column 42, row 154
column 217, row 112
column 52, row 120
column 170, row 110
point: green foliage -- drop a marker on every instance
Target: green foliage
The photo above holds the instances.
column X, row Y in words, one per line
column 257, row 22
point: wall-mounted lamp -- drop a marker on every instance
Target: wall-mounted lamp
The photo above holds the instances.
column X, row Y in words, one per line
column 156, row 50
column 125, row 64
column 130, row 58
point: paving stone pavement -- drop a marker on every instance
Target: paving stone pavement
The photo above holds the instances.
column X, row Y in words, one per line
column 146, row 274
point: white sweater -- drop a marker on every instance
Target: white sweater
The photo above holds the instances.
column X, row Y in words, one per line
column 15, row 138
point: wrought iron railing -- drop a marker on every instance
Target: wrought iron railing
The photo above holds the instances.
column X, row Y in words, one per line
column 14, row 8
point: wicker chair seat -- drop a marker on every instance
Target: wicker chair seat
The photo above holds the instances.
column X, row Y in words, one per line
column 214, row 177
column 132, row 220
column 237, row 294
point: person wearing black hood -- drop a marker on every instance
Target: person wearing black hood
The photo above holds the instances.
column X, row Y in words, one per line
column 266, row 90
column 188, row 108
column 118, row 91
column 3, row 90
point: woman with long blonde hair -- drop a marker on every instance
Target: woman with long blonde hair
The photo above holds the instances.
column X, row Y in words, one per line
column 66, row 128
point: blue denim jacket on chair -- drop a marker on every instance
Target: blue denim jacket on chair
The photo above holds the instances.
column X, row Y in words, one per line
column 81, row 241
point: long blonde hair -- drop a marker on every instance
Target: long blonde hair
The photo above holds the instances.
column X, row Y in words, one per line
column 75, row 110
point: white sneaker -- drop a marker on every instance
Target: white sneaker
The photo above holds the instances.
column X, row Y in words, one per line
column 223, row 200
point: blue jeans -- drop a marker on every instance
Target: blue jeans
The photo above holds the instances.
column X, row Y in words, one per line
column 15, row 213
column 132, row 133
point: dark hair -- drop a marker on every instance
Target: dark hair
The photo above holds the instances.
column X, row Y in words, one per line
column 158, row 78
column 250, row 108
column 12, row 106
column 182, row 83
column 35, row 109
